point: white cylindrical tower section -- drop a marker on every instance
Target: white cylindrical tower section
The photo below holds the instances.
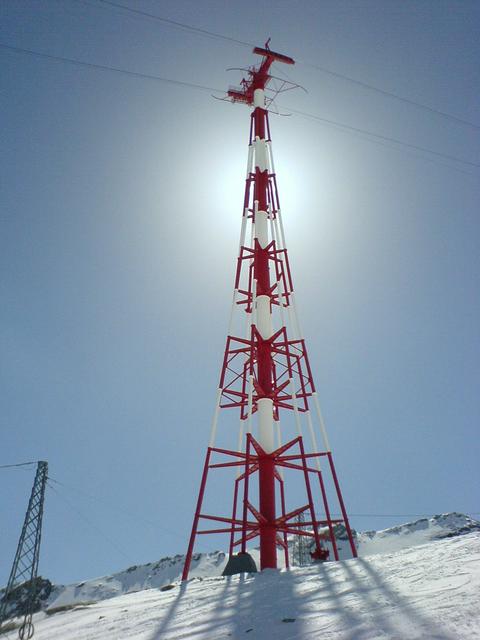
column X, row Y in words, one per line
column 261, row 154
column 261, row 228
column 265, row 424
column 259, row 98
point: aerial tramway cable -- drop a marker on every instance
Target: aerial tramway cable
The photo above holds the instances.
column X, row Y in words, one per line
column 371, row 136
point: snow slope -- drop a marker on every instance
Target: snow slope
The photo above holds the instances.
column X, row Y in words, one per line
column 431, row 591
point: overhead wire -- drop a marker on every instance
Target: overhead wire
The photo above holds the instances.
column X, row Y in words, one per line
column 20, row 464
column 108, row 503
column 102, row 67
column 151, row 522
column 382, row 137
column 111, row 542
column 358, row 515
column 390, row 143
column 175, row 23
column 390, row 94
column 365, row 85
column 120, row 550
column 192, row 85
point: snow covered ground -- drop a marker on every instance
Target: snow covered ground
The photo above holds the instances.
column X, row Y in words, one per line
column 430, row 591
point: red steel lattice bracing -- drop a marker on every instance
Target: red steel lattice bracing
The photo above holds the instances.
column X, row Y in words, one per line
column 266, row 373
column 247, row 522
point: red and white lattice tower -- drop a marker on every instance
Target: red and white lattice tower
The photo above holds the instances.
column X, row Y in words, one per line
column 266, row 376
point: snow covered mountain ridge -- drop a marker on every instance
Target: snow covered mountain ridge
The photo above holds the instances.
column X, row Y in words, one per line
column 445, row 525
column 168, row 570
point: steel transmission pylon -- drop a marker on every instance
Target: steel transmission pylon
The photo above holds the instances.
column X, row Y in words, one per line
column 266, row 374
column 25, row 565
column 301, row 551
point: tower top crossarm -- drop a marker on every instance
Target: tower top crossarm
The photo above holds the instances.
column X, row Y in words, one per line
column 258, row 77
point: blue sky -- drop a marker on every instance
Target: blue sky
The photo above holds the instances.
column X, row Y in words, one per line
column 120, row 211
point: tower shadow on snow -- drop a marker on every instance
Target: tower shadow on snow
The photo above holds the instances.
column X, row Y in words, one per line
column 354, row 601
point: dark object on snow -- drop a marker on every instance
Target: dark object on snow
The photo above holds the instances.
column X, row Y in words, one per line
column 288, row 619
column 167, row 587
column 241, row 563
